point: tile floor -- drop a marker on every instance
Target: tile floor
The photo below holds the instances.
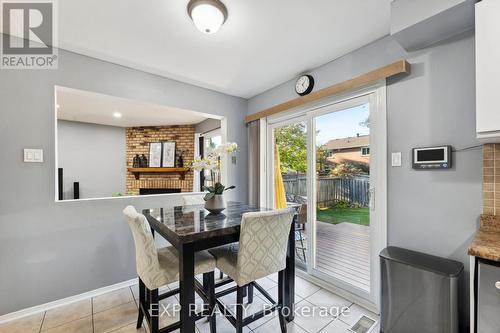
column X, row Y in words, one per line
column 117, row 312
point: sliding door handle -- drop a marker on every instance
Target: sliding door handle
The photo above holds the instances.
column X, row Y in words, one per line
column 371, row 194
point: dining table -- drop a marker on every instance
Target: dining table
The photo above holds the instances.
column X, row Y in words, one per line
column 191, row 229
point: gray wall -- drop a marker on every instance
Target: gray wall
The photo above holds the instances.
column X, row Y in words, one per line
column 207, row 125
column 405, row 13
column 52, row 250
column 432, row 211
column 93, row 155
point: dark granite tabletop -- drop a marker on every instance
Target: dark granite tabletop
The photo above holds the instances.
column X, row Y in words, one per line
column 184, row 224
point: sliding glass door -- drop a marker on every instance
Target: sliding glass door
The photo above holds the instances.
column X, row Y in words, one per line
column 341, row 195
column 327, row 162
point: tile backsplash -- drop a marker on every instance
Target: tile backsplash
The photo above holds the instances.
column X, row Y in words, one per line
column 491, row 178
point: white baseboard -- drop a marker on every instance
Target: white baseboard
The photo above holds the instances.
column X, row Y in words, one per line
column 339, row 291
column 65, row 301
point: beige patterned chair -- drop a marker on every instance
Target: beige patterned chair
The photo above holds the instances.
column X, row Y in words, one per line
column 261, row 252
column 159, row 267
column 192, row 200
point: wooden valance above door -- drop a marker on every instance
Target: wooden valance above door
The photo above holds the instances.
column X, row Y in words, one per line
column 399, row 67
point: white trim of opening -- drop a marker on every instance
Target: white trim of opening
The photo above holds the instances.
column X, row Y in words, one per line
column 223, row 131
column 65, row 301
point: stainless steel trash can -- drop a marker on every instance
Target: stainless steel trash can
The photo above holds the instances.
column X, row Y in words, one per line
column 419, row 292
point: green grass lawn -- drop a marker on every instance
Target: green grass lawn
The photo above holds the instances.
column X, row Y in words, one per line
column 339, row 215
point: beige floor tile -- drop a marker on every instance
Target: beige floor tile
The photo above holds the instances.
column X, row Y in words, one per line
column 304, row 288
column 112, row 299
column 29, row 324
column 336, row 327
column 226, row 286
column 135, row 290
column 273, row 326
column 266, row 283
column 131, row 329
column 325, row 298
column 223, row 326
column 174, row 285
column 169, row 311
column 307, row 317
column 161, row 290
column 67, row 313
column 83, row 325
column 274, row 277
column 115, row 318
column 274, row 294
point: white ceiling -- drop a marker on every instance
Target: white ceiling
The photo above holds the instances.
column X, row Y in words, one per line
column 87, row 107
column 262, row 44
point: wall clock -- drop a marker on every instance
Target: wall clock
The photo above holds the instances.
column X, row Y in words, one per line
column 304, row 85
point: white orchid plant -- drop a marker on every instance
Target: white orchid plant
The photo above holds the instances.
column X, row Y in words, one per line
column 212, row 163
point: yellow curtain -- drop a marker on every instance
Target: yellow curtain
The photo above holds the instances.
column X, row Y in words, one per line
column 279, row 188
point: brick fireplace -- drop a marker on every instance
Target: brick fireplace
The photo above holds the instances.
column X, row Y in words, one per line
column 138, row 140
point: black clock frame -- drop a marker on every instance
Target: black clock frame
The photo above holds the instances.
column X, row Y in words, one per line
column 309, row 89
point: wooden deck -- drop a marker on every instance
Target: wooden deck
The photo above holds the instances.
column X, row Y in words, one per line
column 343, row 252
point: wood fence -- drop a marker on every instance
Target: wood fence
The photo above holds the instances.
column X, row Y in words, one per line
column 332, row 189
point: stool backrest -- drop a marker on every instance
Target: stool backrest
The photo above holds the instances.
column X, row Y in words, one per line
column 146, row 254
column 191, row 200
column 263, row 243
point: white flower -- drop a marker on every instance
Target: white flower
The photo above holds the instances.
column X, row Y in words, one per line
column 212, row 161
column 198, row 164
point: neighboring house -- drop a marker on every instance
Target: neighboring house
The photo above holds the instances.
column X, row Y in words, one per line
column 352, row 149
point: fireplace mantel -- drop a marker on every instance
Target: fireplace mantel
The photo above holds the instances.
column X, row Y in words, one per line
column 138, row 171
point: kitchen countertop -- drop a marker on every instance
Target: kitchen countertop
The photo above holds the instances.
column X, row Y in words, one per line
column 486, row 243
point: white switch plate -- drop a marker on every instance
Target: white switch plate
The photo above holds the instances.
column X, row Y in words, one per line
column 33, row 155
column 396, row 159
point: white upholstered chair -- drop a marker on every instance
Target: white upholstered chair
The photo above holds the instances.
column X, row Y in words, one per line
column 191, row 200
column 261, row 251
column 159, row 267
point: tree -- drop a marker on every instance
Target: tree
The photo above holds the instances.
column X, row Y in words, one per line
column 321, row 159
column 292, row 147
column 346, row 170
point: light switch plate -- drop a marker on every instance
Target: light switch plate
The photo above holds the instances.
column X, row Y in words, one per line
column 396, row 159
column 33, row 155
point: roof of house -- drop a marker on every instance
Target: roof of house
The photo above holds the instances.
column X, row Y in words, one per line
column 350, row 142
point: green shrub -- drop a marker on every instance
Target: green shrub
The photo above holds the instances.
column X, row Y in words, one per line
column 342, row 204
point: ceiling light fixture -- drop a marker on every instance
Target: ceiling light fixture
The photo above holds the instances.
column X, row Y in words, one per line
column 117, row 115
column 208, row 15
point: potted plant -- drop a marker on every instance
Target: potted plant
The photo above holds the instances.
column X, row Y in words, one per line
column 215, row 202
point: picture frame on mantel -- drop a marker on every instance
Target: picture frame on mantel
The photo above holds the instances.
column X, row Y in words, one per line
column 168, row 148
column 155, row 151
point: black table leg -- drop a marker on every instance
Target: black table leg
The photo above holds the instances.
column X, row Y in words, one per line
column 186, row 282
column 289, row 297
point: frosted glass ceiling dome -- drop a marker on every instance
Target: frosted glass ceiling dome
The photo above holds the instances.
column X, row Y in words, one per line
column 207, row 15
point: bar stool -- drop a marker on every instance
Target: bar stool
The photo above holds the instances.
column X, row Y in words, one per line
column 261, row 252
column 159, row 267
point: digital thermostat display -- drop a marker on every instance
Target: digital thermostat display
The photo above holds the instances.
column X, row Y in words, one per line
column 432, row 158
